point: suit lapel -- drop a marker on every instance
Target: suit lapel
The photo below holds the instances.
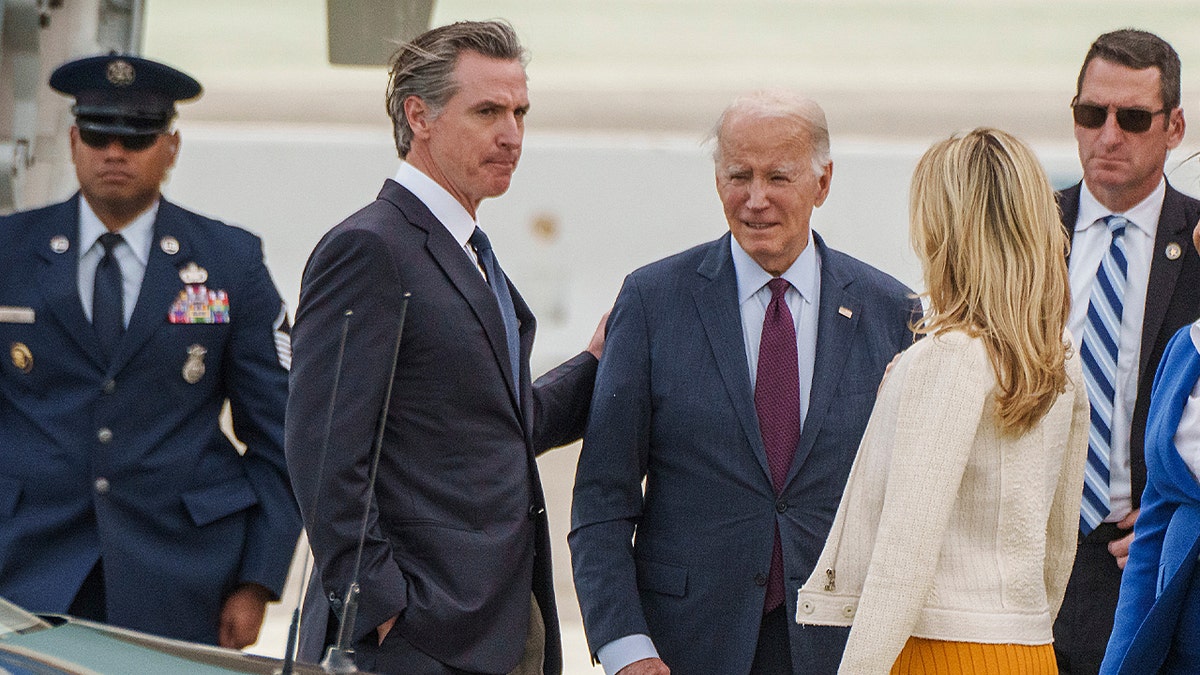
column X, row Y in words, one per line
column 465, row 277
column 837, row 321
column 1173, row 228
column 716, row 300
column 59, row 279
column 160, row 285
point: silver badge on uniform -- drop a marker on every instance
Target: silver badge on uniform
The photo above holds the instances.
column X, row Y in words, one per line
column 119, row 73
column 1174, row 251
column 193, row 273
column 169, row 245
column 193, row 368
column 59, row 243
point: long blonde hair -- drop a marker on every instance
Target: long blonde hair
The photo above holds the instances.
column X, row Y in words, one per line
column 986, row 228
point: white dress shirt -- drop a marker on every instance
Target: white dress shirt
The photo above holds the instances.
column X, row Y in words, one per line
column 132, row 255
column 803, row 299
column 443, row 206
column 1088, row 246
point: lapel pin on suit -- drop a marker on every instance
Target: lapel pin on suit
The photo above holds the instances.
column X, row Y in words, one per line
column 846, row 312
column 169, row 245
column 1173, row 251
column 59, row 243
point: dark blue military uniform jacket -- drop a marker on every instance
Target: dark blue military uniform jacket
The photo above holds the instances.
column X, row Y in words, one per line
column 125, row 460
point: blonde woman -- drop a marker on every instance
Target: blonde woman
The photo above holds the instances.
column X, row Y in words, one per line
column 954, row 539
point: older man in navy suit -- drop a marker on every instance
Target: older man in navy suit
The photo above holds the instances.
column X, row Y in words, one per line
column 129, row 323
column 455, row 566
column 736, row 383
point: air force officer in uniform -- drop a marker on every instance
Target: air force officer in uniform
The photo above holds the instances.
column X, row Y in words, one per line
column 126, row 323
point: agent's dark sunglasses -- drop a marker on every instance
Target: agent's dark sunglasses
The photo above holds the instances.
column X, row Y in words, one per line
column 100, row 140
column 1133, row 120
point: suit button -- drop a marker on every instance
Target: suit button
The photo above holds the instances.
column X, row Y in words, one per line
column 760, row 579
column 535, row 510
column 104, row 435
column 110, row 386
column 101, row 486
column 781, row 506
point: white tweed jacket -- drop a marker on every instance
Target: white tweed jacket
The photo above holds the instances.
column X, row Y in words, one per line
column 947, row 529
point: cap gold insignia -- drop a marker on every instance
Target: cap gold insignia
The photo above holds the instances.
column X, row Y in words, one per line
column 845, row 311
column 1174, row 251
column 193, row 274
column 193, row 368
column 169, row 245
column 119, row 73
column 22, row 358
column 59, row 243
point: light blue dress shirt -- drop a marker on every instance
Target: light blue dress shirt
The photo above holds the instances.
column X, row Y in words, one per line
column 132, row 255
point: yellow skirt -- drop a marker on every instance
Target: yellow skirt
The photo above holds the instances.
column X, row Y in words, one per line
column 938, row 657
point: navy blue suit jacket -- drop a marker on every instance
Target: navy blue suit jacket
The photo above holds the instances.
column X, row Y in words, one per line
column 127, row 460
column 673, row 405
column 457, row 534
column 1157, row 623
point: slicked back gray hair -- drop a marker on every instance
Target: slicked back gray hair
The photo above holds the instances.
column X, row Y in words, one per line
column 425, row 67
column 811, row 128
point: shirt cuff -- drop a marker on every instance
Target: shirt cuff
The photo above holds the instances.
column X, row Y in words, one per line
column 623, row 651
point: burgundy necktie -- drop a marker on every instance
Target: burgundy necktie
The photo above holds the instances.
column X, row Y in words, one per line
column 777, row 401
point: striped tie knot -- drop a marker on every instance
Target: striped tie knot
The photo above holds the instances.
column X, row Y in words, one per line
column 1116, row 225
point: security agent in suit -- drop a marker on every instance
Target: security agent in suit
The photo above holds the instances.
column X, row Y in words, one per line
column 455, row 572
column 129, row 322
column 698, row 572
column 1127, row 119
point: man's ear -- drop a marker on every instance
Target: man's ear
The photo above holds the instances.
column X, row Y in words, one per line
column 417, row 114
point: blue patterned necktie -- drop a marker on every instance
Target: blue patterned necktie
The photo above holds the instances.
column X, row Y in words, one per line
column 108, row 297
column 777, row 402
column 1101, row 334
column 499, row 285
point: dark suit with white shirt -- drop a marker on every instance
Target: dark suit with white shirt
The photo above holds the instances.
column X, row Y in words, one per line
column 457, row 534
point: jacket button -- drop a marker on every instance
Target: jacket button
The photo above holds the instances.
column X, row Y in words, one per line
column 101, row 486
column 535, row 510
column 110, row 386
column 104, row 435
column 760, row 579
column 848, row 611
column 781, row 506
column 806, row 607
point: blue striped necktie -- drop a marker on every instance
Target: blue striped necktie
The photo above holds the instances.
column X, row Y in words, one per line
column 1101, row 334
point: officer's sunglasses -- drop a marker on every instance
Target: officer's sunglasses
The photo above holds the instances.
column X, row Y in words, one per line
column 100, row 140
column 1133, row 120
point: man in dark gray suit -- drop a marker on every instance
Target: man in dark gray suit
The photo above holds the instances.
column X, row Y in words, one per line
column 455, row 571
column 736, row 383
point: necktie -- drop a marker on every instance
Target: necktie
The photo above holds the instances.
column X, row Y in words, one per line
column 777, row 401
column 496, row 279
column 108, row 303
column 1101, row 332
